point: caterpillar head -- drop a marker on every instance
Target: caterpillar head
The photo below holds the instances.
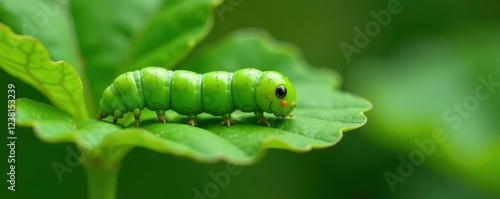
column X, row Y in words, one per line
column 275, row 94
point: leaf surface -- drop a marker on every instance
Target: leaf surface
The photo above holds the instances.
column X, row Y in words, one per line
column 27, row 59
column 319, row 120
column 137, row 34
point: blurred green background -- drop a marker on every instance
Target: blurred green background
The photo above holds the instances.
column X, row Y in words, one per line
column 424, row 63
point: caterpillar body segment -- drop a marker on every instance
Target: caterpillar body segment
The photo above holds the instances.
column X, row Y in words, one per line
column 218, row 93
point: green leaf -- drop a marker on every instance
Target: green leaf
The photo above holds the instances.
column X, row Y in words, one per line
column 321, row 117
column 54, row 126
column 45, row 118
column 138, row 34
column 27, row 59
column 50, row 22
column 28, row 111
column 102, row 45
column 188, row 23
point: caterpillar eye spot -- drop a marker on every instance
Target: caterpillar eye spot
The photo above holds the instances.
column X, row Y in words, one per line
column 281, row 92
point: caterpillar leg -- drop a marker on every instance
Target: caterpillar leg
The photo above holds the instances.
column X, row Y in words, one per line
column 161, row 116
column 192, row 120
column 137, row 116
column 227, row 120
column 117, row 115
column 261, row 117
column 101, row 115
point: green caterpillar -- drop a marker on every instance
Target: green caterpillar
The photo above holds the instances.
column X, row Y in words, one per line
column 218, row 93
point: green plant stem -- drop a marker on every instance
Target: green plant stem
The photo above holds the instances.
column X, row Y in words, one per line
column 101, row 180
